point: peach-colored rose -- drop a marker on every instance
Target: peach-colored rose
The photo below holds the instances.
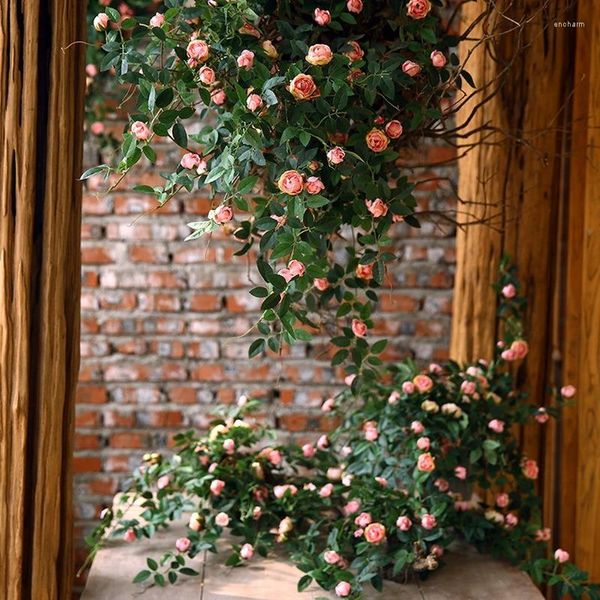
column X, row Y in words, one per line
column 336, row 155
column 343, row 589
column 359, row 328
column 303, row 87
column 322, row 17
column 206, row 75
column 430, row 406
column 370, row 431
column 502, row 500
column 218, row 96
column 428, row 521
column 256, row 513
column 530, row 469
column 351, row 507
column 418, row 9
column 129, row 535
column 331, row 557
column 438, row 60
column 394, row 129
column 321, row 283
column 291, row 182
column 376, row 140
column 426, row 462
column 452, row 409
column 326, row 490
column 520, row 348
column 417, row 427
column 196, row 522
column 157, row 20
column 314, row 185
column 364, row 271
column 285, row 525
column 423, row 443
column 183, row 544
column 375, row 533
column 245, row 60
column 247, row 551
column 411, row 68
column 408, row 387
column 363, row 519
column 254, row 102
column 101, row 21
column 354, row 6
column 460, row 472
column 423, row 383
column 249, row 29
column 354, row 74
column 222, row 519
column 297, row 269
column 562, row 556
column 394, row 397
column 403, row 523
column 217, row 486
column 269, row 49
column 140, row 131
column 222, row 214
column 197, row 50
column 378, row 208
column 190, row 160
column 319, row 54
column 356, row 52
column 568, row 391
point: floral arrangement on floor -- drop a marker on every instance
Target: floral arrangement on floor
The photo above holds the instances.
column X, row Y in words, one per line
column 305, row 110
column 381, row 497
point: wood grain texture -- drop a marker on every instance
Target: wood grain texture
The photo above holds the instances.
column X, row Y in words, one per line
column 41, row 111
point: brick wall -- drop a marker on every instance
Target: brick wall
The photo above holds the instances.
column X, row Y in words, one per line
column 163, row 320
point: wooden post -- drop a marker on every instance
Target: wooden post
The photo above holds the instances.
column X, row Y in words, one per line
column 41, row 111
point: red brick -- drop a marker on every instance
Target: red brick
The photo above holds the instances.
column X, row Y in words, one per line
column 96, row 256
column 87, row 441
column 182, row 395
column 204, row 302
column 86, row 464
column 91, row 394
column 127, row 439
column 96, row 204
column 165, row 418
column 148, row 254
column 87, row 418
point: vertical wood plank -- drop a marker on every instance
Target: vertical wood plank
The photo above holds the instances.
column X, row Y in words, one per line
column 41, row 111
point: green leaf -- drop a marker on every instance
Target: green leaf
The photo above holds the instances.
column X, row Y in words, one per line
column 259, row 292
column 152, row 564
column 256, row 347
column 271, row 301
column 93, row 171
column 142, row 576
column 246, row 185
column 179, row 135
column 304, row 582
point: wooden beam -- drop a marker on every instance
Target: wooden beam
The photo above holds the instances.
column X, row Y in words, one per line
column 41, row 112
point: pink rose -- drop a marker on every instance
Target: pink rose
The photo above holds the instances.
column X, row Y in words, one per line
column 183, row 544
column 229, row 446
column 394, row 397
column 319, row 54
column 275, row 457
column 541, row 416
column 423, row 383
column 502, row 500
column 354, row 6
column 423, row 443
column 206, row 75
column 520, row 348
column 359, row 328
column 247, row 551
column 291, row 183
column 509, row 355
column 562, row 556
column 426, row 462
column 129, row 535
column 97, row 128
column 378, row 208
column 296, row 268
column 358, row 533
column 363, row 519
column 314, row 185
column 394, row 129
column 568, row 391
column 222, row 519
column 509, row 291
column 428, row 521
column 197, row 51
column 437, row 550
column 217, row 486
column 303, row 87
column 331, row 557
column 411, row 68
column 438, row 60
column 101, row 21
column 245, row 60
column 376, row 140
column 157, row 20
column 416, row 426
column 408, row 387
column 91, row 70
column 218, row 96
column 530, row 469
column 163, row 482
column 254, row 102
column 496, row 425
column 543, row 535
column 222, row 214
column 418, row 9
column 308, row 450
column 190, row 160
column 468, row 387
column 322, row 17
column 343, row 589
column 321, row 283
column 336, row 155
column 140, row 131
column 441, row 484
column 364, row 271
column 334, row 473
column 355, row 53
column 351, row 507
column 256, row 513
column 349, row 379
column 326, row 490
column 323, row 442
column 375, row 533
column 460, row 473
column 511, row 520
column 403, row 523
column 328, row 405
